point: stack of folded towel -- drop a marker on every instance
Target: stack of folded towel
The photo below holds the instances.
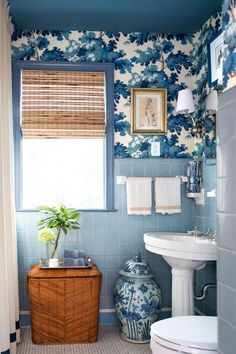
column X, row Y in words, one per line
column 74, row 258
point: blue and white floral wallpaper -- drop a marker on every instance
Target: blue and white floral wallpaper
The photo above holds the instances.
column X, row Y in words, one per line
column 229, row 28
column 199, row 59
column 141, row 60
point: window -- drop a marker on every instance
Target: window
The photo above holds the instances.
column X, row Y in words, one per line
column 63, row 128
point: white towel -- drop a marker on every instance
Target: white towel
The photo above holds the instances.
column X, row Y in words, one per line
column 139, row 195
column 167, row 195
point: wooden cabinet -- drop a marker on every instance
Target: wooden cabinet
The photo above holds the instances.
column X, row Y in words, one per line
column 64, row 304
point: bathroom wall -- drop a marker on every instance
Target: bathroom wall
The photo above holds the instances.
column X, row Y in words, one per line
column 226, row 220
column 141, row 60
column 226, row 206
column 206, row 218
column 206, row 215
column 229, row 28
column 112, row 238
column 199, row 59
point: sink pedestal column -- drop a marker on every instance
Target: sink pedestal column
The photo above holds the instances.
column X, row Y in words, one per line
column 182, row 292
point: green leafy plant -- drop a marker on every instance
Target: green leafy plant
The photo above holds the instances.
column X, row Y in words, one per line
column 59, row 218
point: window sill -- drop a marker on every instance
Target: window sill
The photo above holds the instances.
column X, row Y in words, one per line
column 82, row 210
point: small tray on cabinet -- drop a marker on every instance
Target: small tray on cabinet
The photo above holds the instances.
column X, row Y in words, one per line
column 66, row 267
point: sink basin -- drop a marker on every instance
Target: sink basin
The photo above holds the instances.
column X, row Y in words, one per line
column 180, row 245
column 184, row 254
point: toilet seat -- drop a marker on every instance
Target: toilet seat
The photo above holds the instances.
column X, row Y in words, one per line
column 185, row 334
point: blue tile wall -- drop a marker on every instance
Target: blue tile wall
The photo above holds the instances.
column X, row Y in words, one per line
column 206, row 214
column 206, row 218
column 112, row 237
column 122, row 233
column 226, row 217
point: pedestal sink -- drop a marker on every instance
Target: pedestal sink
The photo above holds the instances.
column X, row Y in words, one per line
column 184, row 254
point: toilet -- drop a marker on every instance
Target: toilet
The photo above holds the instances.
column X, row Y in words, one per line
column 184, row 334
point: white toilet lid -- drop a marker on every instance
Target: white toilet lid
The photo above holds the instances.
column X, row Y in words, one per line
column 189, row 331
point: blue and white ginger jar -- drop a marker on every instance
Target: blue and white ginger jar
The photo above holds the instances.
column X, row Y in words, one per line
column 137, row 298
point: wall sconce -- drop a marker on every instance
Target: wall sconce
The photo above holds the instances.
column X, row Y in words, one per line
column 185, row 106
column 211, row 104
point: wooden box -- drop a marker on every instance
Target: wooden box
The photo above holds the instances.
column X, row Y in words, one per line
column 64, row 304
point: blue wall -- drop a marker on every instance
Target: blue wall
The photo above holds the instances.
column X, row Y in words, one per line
column 206, row 214
column 113, row 237
column 229, row 28
column 206, row 218
column 141, row 60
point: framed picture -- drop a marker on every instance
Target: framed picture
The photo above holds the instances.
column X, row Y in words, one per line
column 215, row 60
column 149, row 111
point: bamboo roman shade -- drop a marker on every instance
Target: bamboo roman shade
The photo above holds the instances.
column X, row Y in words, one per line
column 62, row 104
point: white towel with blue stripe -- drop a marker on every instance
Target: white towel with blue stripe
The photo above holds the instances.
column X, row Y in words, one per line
column 139, row 195
column 168, row 195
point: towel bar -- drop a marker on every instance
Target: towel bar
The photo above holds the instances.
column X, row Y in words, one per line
column 123, row 179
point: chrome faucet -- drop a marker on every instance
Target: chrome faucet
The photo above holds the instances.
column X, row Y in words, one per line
column 198, row 233
column 212, row 236
column 209, row 235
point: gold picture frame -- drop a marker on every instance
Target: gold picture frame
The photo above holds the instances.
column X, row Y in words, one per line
column 149, row 111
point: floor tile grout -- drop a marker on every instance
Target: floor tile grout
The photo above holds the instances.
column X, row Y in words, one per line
column 109, row 342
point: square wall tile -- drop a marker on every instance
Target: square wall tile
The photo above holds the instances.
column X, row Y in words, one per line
column 113, row 238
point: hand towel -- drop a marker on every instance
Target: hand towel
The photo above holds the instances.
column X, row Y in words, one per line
column 167, row 195
column 139, row 195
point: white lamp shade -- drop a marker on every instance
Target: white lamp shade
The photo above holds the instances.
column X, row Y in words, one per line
column 185, row 101
column 211, row 102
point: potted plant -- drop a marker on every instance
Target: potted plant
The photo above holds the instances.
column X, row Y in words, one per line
column 57, row 219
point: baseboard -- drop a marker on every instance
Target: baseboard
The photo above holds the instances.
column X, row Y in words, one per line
column 107, row 317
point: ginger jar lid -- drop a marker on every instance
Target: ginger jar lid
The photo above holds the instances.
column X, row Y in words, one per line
column 137, row 268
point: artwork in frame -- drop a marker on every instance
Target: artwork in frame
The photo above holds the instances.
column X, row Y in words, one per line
column 215, row 60
column 149, row 111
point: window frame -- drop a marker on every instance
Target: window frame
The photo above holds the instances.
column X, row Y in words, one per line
column 108, row 69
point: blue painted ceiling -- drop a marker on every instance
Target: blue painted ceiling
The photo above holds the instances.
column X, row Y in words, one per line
column 163, row 16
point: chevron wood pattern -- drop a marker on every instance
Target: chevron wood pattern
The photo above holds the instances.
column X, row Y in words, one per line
column 64, row 305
